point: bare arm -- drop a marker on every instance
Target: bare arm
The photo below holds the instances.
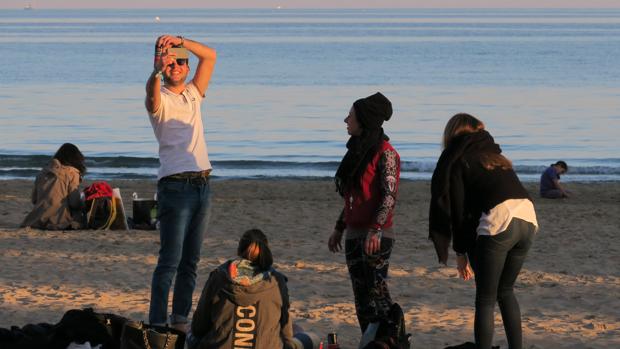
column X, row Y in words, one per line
column 206, row 62
column 153, row 84
column 557, row 184
column 153, row 94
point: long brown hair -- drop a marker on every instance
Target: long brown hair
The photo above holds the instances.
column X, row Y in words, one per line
column 462, row 123
column 69, row 155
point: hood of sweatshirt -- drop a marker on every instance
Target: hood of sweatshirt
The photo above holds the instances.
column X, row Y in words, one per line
column 59, row 170
column 245, row 283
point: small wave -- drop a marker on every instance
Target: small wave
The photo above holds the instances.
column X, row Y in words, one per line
column 126, row 167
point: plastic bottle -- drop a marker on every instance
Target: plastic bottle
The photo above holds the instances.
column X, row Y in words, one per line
column 154, row 221
column 157, row 56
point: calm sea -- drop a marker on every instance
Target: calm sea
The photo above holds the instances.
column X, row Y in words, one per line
column 545, row 82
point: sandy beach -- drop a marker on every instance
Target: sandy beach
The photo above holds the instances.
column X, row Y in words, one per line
column 569, row 288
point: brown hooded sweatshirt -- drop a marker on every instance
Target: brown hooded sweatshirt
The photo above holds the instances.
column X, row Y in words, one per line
column 56, row 199
column 231, row 315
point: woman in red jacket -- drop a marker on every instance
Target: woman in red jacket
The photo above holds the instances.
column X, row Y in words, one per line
column 367, row 179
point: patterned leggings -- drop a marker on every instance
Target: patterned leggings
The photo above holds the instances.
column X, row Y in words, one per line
column 369, row 279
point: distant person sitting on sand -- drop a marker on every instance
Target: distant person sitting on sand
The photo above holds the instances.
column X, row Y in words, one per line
column 550, row 186
column 367, row 179
column 478, row 201
column 244, row 302
column 56, row 193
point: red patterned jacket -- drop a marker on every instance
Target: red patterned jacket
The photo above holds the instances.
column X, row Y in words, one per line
column 373, row 205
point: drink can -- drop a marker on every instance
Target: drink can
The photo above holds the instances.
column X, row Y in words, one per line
column 332, row 338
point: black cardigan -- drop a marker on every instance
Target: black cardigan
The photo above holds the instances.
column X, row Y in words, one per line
column 462, row 189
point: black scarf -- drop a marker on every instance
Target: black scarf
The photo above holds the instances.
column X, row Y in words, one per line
column 361, row 150
column 440, row 219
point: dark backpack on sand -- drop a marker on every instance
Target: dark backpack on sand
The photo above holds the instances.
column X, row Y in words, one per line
column 76, row 325
column 82, row 325
column 100, row 207
column 31, row 336
column 391, row 333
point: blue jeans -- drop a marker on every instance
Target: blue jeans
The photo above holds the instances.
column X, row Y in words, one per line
column 183, row 213
column 552, row 194
column 497, row 263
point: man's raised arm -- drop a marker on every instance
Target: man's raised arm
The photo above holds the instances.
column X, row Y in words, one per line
column 153, row 84
column 206, row 62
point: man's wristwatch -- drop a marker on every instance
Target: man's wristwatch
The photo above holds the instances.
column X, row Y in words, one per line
column 158, row 73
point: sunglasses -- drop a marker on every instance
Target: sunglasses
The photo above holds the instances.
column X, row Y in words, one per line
column 180, row 61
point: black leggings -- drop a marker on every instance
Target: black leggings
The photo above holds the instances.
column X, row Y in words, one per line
column 369, row 279
column 497, row 263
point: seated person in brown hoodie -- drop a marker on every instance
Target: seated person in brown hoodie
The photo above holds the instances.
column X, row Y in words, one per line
column 56, row 193
column 244, row 302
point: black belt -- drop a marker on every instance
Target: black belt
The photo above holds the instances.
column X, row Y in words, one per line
column 198, row 177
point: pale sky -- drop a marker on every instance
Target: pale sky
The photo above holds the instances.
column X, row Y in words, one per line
column 46, row 4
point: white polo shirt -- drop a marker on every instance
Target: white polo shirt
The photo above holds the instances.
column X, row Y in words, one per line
column 177, row 124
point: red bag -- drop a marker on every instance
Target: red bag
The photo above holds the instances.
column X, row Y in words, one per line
column 100, row 207
column 98, row 190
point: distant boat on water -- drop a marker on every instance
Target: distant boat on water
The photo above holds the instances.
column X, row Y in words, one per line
column 28, row 7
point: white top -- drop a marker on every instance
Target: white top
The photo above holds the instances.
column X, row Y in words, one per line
column 499, row 217
column 177, row 124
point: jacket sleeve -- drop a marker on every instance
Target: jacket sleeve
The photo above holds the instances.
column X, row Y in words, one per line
column 201, row 322
column 287, row 336
column 457, row 204
column 33, row 195
column 389, row 166
column 286, row 323
column 340, row 224
column 75, row 202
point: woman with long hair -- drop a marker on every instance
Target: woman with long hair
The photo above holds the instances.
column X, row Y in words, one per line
column 367, row 179
column 244, row 302
column 56, row 193
column 478, row 202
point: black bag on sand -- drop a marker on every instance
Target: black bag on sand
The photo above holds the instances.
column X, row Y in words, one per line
column 391, row 333
column 75, row 326
column 144, row 214
column 467, row 345
column 114, row 326
column 30, row 336
column 138, row 335
column 87, row 326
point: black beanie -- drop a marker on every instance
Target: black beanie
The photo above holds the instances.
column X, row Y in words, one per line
column 373, row 110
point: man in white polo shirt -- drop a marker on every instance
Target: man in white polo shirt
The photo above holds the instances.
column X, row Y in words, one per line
column 183, row 192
